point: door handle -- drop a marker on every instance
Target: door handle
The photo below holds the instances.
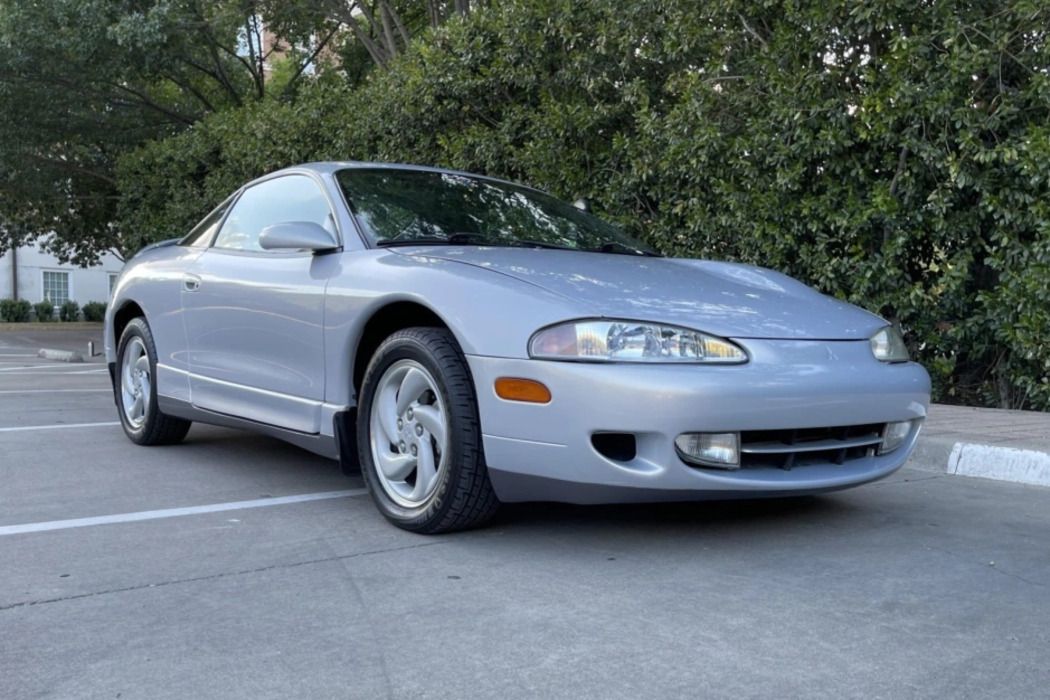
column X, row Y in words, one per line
column 191, row 283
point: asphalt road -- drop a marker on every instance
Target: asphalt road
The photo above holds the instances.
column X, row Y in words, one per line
column 922, row 585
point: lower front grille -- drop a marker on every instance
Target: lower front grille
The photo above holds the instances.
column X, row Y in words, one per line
column 786, row 449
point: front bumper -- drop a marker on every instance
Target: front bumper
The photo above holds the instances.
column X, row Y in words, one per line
column 544, row 452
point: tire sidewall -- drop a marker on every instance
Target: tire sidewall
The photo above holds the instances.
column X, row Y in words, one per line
column 137, row 328
column 396, row 348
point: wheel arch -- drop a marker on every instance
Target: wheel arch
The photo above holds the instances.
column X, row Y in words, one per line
column 384, row 321
column 122, row 316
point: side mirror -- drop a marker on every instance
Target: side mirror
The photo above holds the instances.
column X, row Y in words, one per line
column 296, row 235
column 583, row 204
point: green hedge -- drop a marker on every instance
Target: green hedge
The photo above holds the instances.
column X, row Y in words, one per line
column 95, row 311
column 44, row 310
column 69, row 311
column 15, row 310
column 894, row 154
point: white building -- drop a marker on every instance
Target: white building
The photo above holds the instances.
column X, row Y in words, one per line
column 29, row 273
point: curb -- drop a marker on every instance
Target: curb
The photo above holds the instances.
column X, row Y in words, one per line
column 1000, row 463
column 60, row 355
column 947, row 456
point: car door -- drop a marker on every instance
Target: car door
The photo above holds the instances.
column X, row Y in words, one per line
column 254, row 318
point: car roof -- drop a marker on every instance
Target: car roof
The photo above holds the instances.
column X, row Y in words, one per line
column 332, row 166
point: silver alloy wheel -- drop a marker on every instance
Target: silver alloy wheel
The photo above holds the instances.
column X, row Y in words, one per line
column 135, row 382
column 408, row 432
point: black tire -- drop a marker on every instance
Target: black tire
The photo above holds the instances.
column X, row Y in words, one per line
column 157, row 428
column 464, row 497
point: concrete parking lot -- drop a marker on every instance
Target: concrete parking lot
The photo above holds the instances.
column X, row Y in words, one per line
column 923, row 585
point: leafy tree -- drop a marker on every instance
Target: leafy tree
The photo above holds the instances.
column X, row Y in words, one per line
column 83, row 81
column 894, row 154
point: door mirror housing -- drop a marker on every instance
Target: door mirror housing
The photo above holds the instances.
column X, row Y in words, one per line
column 296, row 235
column 583, row 204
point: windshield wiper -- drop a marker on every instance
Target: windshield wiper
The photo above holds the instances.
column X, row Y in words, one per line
column 467, row 238
column 624, row 249
column 428, row 240
column 526, row 243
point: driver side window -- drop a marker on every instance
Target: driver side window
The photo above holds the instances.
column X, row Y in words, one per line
column 283, row 199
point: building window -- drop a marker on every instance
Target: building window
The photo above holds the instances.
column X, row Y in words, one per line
column 112, row 282
column 56, row 287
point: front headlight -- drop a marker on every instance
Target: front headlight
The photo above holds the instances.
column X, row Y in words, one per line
column 631, row 341
column 888, row 345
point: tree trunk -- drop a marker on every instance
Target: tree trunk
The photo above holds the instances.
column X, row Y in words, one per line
column 388, row 31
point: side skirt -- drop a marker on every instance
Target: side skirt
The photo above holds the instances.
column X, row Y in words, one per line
column 324, row 445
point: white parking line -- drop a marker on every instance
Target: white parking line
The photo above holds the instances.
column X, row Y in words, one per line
column 173, row 512
column 51, row 374
column 21, row 428
column 55, row 391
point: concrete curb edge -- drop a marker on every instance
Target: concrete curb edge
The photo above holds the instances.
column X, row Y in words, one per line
column 1000, row 463
column 60, row 355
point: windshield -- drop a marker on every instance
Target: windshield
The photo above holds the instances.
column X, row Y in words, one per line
column 406, row 207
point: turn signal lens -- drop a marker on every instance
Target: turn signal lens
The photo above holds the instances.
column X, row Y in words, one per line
column 517, row 389
column 710, row 449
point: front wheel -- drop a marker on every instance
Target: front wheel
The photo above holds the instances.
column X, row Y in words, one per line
column 136, row 390
column 419, row 437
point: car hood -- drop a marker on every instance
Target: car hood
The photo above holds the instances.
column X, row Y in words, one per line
column 725, row 299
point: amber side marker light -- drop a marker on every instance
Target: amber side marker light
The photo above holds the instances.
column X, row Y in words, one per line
column 517, row 389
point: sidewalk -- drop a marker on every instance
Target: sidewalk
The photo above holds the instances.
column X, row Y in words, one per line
column 986, row 442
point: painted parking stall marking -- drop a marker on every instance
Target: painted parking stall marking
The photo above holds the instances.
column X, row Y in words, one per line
column 174, row 512
column 56, row 391
column 58, row 426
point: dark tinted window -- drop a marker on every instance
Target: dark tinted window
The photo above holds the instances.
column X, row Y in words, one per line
column 401, row 206
column 281, row 200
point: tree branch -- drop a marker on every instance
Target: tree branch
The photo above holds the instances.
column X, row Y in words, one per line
column 309, row 59
column 373, row 50
column 388, row 32
column 751, row 31
column 65, row 164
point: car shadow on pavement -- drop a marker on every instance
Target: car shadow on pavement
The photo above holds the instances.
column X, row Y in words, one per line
column 757, row 513
column 241, row 450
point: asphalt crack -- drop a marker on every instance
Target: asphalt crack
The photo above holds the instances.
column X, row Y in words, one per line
column 988, row 567
column 212, row 577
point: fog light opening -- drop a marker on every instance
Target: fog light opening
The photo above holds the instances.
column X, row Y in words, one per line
column 619, row 447
column 894, row 435
column 719, row 450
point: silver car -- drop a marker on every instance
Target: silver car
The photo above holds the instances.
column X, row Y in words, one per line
column 466, row 341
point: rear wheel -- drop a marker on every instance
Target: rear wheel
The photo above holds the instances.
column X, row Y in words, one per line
column 419, row 438
column 136, row 390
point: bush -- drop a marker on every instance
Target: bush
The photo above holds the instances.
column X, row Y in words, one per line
column 44, row 310
column 94, row 311
column 14, row 310
column 69, row 311
column 894, row 154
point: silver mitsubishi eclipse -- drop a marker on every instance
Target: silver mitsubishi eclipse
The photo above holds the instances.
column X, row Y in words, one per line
column 466, row 341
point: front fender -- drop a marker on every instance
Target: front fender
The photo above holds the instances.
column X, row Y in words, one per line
column 489, row 313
